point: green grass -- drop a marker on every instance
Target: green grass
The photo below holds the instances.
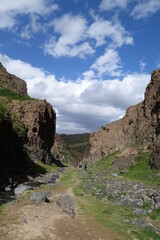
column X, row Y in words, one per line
column 106, row 162
column 41, row 168
column 10, row 94
column 80, row 147
column 77, row 142
column 48, row 168
column 67, row 178
column 155, row 215
column 111, row 215
column 75, row 138
column 20, row 129
column 3, row 108
column 2, row 209
column 141, row 171
column 145, row 234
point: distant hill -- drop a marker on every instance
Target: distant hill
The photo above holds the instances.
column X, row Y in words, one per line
column 76, row 144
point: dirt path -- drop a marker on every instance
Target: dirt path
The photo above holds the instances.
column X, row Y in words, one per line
column 47, row 221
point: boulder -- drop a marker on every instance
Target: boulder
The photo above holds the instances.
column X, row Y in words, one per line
column 20, row 189
column 39, row 197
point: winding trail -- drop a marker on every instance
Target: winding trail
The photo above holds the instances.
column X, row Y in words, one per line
column 27, row 220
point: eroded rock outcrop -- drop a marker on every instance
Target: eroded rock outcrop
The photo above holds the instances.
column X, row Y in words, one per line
column 11, row 81
column 152, row 111
column 59, row 148
column 39, row 120
column 139, row 126
column 27, row 128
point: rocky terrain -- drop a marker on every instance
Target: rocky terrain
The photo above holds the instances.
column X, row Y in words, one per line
column 43, row 209
column 39, row 121
column 139, row 126
column 140, row 199
column 59, row 149
column 27, row 129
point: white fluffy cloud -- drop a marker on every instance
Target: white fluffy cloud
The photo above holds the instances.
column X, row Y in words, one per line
column 102, row 29
column 145, row 8
column 108, row 64
column 82, row 105
column 9, row 10
column 75, row 40
column 72, row 30
column 112, row 4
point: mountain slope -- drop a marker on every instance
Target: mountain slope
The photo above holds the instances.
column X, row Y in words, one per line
column 140, row 126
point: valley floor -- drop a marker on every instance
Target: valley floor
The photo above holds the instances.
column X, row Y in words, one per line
column 27, row 220
column 77, row 210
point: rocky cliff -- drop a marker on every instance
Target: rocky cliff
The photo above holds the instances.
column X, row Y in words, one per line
column 39, row 121
column 27, row 127
column 8, row 80
column 59, row 149
column 140, row 126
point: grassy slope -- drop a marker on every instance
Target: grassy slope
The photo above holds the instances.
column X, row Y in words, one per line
column 7, row 95
column 10, row 94
column 141, row 171
column 76, row 142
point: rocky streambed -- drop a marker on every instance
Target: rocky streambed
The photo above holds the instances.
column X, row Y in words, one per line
column 34, row 186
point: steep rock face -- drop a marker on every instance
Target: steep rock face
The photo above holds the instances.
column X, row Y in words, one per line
column 34, row 121
column 140, row 125
column 11, row 81
column 59, row 148
column 117, row 135
column 39, row 120
column 13, row 159
column 152, row 111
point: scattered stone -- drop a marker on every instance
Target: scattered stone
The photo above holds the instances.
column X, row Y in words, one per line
column 8, row 188
column 48, row 178
column 24, row 221
column 145, row 198
column 150, row 193
column 72, row 180
column 150, row 226
column 139, row 222
column 157, row 200
column 40, row 197
column 135, row 187
column 114, row 174
column 30, row 178
column 126, row 221
column 67, row 203
column 20, row 189
column 139, row 212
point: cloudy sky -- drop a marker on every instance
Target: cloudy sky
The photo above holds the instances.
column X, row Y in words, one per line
column 90, row 59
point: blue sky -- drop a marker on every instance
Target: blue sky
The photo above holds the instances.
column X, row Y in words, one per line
column 89, row 59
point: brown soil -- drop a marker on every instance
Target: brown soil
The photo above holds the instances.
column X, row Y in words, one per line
column 26, row 220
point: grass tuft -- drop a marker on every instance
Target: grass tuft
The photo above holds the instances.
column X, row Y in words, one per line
column 106, row 162
column 10, row 94
column 141, row 171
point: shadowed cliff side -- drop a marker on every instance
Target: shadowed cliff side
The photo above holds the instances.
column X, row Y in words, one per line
column 27, row 128
column 39, row 120
column 140, row 126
